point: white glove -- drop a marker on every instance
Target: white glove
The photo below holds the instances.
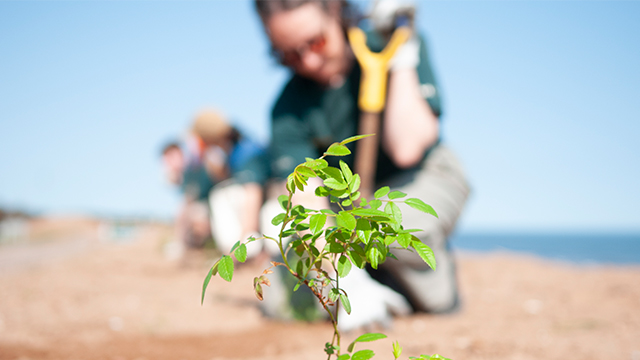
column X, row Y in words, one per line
column 383, row 13
column 407, row 56
column 371, row 302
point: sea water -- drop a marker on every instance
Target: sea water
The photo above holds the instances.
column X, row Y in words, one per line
column 576, row 248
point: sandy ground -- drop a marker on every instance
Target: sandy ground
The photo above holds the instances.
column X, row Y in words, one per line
column 80, row 290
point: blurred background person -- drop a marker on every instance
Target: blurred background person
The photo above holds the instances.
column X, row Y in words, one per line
column 239, row 167
column 319, row 105
column 184, row 167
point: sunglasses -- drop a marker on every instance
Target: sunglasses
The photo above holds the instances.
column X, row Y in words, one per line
column 294, row 57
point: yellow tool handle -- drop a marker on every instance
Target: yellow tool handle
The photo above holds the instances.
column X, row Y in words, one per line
column 373, row 84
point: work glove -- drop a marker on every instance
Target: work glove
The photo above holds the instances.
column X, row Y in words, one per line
column 383, row 17
column 371, row 302
column 384, row 13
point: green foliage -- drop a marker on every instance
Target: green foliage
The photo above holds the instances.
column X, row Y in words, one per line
column 328, row 244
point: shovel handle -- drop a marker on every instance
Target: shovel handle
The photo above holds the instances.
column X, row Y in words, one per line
column 373, row 92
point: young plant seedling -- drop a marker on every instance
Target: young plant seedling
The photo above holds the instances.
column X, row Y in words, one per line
column 329, row 243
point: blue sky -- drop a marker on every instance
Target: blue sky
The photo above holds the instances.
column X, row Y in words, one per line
column 541, row 103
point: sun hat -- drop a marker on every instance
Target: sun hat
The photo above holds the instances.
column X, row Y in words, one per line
column 211, row 126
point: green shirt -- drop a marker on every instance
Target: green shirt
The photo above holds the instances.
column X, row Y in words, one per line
column 308, row 117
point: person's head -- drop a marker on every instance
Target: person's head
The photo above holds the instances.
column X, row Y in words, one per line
column 173, row 161
column 309, row 36
column 213, row 128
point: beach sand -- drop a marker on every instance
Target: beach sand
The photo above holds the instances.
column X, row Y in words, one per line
column 80, row 292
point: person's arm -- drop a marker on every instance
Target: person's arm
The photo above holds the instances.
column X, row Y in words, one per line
column 410, row 125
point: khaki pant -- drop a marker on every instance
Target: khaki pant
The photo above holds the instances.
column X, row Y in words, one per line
column 441, row 183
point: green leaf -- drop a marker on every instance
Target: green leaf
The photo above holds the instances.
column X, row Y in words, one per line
column 404, row 240
column 322, row 191
column 344, row 357
column 356, row 259
column 425, row 253
column 375, row 204
column 381, row 192
column 438, row 357
column 337, row 150
column 212, row 272
column 354, row 183
column 291, row 184
column 394, row 212
column 283, row 200
column 327, row 212
column 373, row 256
column 336, row 248
column 335, row 184
column 347, row 202
column 354, row 138
column 316, row 164
column 396, row 194
column 369, row 212
column 278, row 219
column 334, row 294
column 316, row 223
column 241, row 253
column 344, row 266
column 397, row 349
column 225, row 267
column 368, row 337
column 389, row 239
column 363, row 355
column 346, row 220
column 344, row 300
column 346, row 171
column 305, row 171
column 234, row 247
column 420, row 205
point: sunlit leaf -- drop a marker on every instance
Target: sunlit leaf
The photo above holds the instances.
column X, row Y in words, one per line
column 346, row 171
column 425, row 253
column 327, row 212
column 234, row 247
column 388, row 240
column 316, row 223
column 373, row 256
column 344, row 300
column 404, row 240
column 375, row 204
column 396, row 194
column 337, row 150
column 322, row 191
column 241, row 253
column 363, row 355
column 354, row 184
column 346, row 220
column 397, row 349
column 394, row 212
column 316, row 164
column 420, row 205
column 335, row 184
column 344, row 357
column 366, row 338
column 212, row 272
column 354, row 138
column 278, row 219
column 305, row 171
column 381, row 192
column 344, row 266
column 347, row 202
column 369, row 212
column 225, row 267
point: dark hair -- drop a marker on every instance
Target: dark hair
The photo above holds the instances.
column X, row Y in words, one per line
column 170, row 146
column 349, row 15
